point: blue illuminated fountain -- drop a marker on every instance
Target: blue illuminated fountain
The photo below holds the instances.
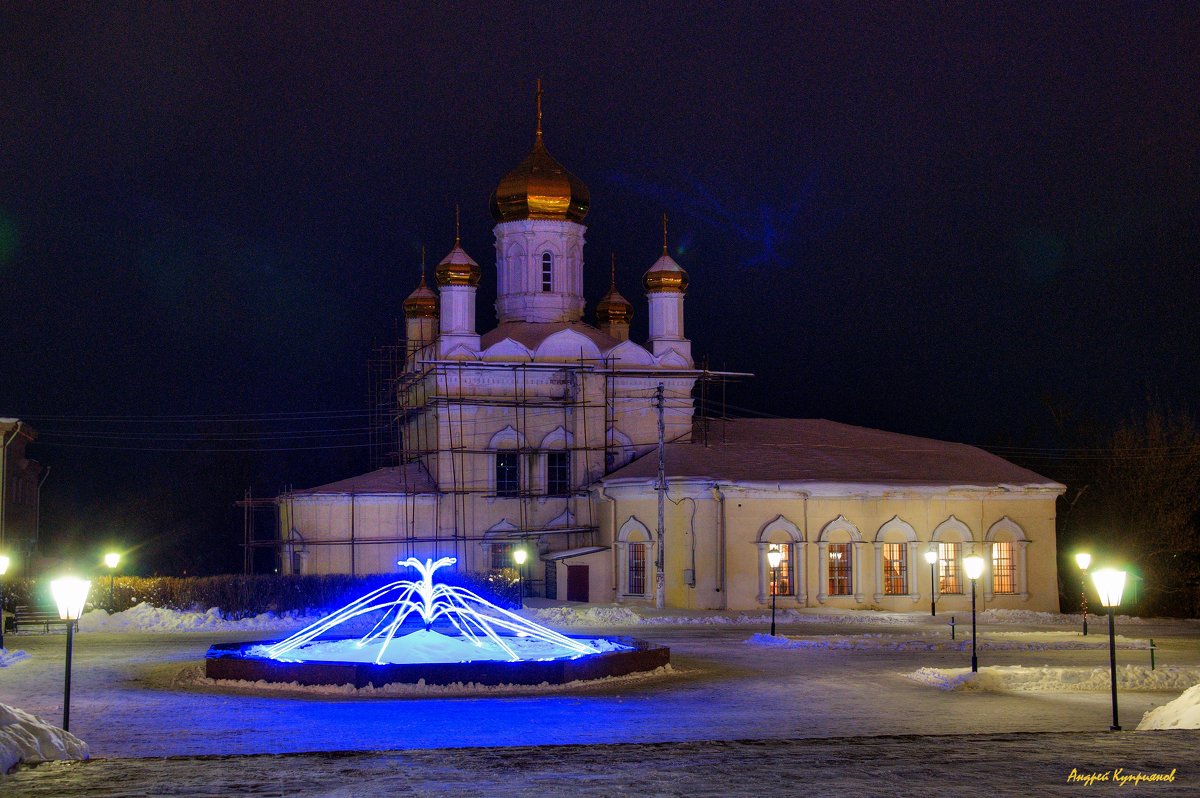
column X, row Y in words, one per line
column 485, row 644
column 478, row 621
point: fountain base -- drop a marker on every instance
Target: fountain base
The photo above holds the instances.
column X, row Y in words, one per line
column 235, row 661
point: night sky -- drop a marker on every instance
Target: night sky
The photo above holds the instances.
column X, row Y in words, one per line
column 929, row 218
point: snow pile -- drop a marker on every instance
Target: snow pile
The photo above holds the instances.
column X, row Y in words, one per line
column 1049, row 618
column 585, row 616
column 421, row 689
column 993, row 641
column 606, row 615
column 1182, row 713
column 25, row 738
column 1046, row 679
column 8, row 657
column 144, row 618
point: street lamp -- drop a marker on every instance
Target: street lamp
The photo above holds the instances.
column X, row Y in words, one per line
column 4, row 561
column 70, row 594
column 774, row 557
column 931, row 558
column 1083, row 560
column 111, row 560
column 1110, row 583
column 519, row 557
column 973, row 565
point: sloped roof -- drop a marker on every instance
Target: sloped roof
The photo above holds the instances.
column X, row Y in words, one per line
column 532, row 334
column 821, row 451
column 409, row 478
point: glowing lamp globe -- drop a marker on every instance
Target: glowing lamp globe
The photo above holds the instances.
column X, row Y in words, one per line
column 111, row 559
column 519, row 556
column 1110, row 584
column 4, row 561
column 774, row 557
column 973, row 565
column 1083, row 560
column 931, row 557
column 70, row 594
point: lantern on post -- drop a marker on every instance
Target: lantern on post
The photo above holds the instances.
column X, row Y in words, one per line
column 111, row 561
column 70, row 594
column 519, row 557
column 973, row 565
column 774, row 557
column 931, row 557
column 1110, row 584
column 1083, row 560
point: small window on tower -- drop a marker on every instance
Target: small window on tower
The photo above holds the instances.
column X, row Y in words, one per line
column 547, row 271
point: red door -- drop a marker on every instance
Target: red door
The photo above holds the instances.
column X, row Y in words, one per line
column 577, row 583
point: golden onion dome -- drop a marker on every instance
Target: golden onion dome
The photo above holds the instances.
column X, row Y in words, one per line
column 457, row 268
column 614, row 308
column 665, row 276
column 540, row 188
column 421, row 303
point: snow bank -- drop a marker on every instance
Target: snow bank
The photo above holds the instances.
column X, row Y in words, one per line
column 1046, row 679
column 1049, row 618
column 1182, row 713
column 25, row 738
column 144, row 618
column 615, row 615
column 604, row 615
column 8, row 657
column 992, row 641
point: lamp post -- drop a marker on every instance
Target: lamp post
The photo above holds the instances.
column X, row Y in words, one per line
column 973, row 565
column 1083, row 560
column 70, row 594
column 519, row 557
column 774, row 557
column 111, row 560
column 931, row 558
column 1110, row 583
column 4, row 561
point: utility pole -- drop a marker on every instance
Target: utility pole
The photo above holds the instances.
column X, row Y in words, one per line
column 660, row 579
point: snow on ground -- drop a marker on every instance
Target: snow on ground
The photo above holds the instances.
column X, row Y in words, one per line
column 138, row 695
column 1046, row 679
column 1047, row 765
column 144, row 618
column 1182, row 713
column 993, row 641
column 605, row 615
column 25, row 738
column 8, row 657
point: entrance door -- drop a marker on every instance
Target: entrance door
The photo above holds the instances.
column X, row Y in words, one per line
column 577, row 583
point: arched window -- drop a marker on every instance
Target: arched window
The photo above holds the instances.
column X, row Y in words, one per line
column 634, row 540
column 950, row 537
column 547, row 271
column 505, row 447
column 783, row 536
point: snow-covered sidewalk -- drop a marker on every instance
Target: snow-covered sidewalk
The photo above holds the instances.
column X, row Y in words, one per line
column 1054, row 764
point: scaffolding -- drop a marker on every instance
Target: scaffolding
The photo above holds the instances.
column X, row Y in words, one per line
column 435, row 413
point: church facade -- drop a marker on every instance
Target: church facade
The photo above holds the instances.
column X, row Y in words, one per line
column 543, row 434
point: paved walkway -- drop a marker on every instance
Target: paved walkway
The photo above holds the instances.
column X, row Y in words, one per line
column 992, row 765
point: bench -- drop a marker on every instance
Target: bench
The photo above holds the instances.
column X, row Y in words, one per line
column 35, row 616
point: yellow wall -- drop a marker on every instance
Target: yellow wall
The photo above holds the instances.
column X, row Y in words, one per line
column 695, row 537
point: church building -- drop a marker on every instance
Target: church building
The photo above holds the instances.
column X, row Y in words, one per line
column 545, row 434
